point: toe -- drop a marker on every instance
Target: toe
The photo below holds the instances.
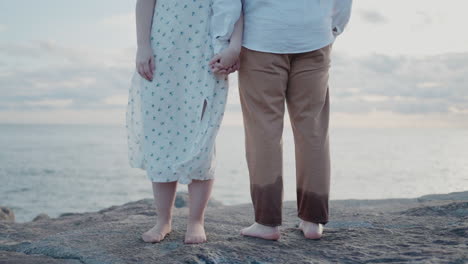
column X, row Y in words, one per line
column 243, row 231
column 312, row 236
column 152, row 238
column 158, row 238
column 195, row 240
column 201, row 239
column 146, row 237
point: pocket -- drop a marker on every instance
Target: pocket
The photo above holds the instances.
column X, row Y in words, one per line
column 326, row 51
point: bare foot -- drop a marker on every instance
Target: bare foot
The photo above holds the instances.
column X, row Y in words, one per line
column 157, row 233
column 262, row 231
column 195, row 233
column 311, row 230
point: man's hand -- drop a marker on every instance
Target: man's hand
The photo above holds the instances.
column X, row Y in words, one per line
column 225, row 62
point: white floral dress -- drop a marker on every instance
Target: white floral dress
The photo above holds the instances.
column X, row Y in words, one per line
column 172, row 122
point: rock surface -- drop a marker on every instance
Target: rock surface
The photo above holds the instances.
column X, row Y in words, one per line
column 430, row 229
column 41, row 217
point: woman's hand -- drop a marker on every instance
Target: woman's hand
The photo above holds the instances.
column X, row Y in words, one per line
column 225, row 61
column 228, row 70
column 145, row 62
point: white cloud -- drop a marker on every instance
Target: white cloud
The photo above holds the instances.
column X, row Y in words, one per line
column 429, row 84
column 119, row 20
column 461, row 110
column 64, row 116
column 373, row 16
column 50, row 103
column 400, row 84
column 47, row 71
column 416, row 27
column 77, row 81
column 119, row 100
column 399, row 60
column 382, row 119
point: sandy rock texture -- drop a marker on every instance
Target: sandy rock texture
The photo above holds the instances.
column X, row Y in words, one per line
column 429, row 229
column 6, row 214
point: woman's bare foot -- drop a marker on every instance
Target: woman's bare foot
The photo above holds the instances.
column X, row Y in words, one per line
column 311, row 230
column 262, row 231
column 195, row 233
column 157, row 233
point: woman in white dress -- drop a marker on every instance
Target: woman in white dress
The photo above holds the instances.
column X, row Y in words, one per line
column 176, row 103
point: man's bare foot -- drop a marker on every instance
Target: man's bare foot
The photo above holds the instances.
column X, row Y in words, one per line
column 311, row 230
column 157, row 233
column 195, row 233
column 262, row 231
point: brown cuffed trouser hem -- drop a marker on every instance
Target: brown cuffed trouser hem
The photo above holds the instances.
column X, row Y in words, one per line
column 266, row 82
column 312, row 220
column 312, row 207
column 268, row 202
column 272, row 224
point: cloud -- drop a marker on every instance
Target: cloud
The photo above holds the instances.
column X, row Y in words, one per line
column 373, row 16
column 42, row 76
column 403, row 84
column 119, row 100
column 47, row 75
column 119, row 20
column 50, row 103
column 3, row 27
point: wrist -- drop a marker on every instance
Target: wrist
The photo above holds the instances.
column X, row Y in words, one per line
column 235, row 49
column 143, row 44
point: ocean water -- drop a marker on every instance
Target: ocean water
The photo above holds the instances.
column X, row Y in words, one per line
column 55, row 169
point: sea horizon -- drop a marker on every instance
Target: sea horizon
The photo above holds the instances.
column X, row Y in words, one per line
column 71, row 168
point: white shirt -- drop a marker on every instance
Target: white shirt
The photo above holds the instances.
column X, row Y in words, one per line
column 225, row 14
column 293, row 26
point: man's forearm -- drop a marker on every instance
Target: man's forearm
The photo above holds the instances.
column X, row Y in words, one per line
column 341, row 15
column 235, row 42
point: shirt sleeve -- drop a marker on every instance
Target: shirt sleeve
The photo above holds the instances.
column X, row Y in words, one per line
column 224, row 17
column 341, row 15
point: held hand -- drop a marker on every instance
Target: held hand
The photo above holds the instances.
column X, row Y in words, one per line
column 220, row 70
column 145, row 62
column 224, row 61
column 234, row 67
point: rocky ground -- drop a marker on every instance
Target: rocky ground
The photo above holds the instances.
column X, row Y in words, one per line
column 430, row 229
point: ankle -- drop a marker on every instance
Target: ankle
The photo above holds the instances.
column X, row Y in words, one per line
column 267, row 226
column 196, row 221
column 164, row 221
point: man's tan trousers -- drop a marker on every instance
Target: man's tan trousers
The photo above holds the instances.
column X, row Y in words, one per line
column 266, row 82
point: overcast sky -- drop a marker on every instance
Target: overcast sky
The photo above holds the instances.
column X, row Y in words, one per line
column 399, row 63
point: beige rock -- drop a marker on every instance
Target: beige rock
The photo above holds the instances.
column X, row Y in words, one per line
column 41, row 217
column 6, row 215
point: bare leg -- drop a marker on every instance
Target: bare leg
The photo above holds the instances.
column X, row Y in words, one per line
column 164, row 197
column 199, row 194
column 311, row 230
